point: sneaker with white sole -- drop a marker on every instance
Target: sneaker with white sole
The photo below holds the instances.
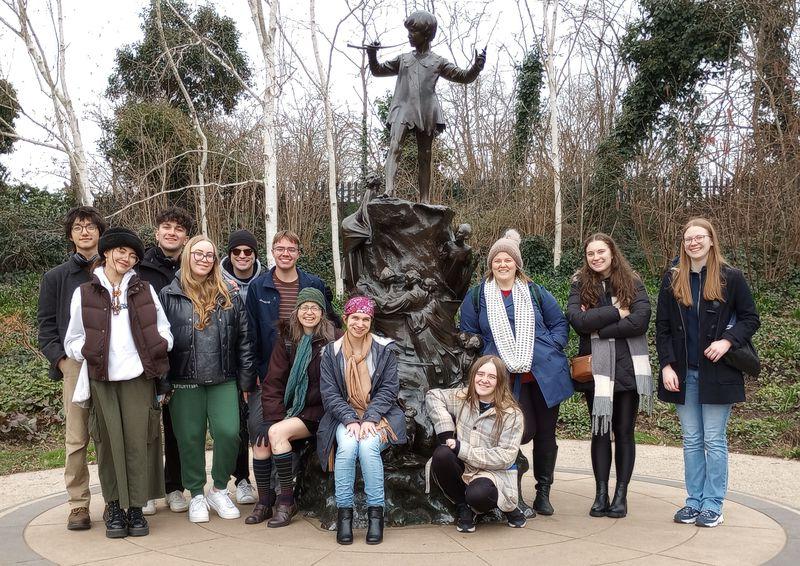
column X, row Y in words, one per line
column 150, row 508
column 220, row 501
column 176, row 501
column 709, row 518
column 198, row 509
column 686, row 515
column 245, row 493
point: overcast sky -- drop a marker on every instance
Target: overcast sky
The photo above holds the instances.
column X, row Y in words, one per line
column 96, row 28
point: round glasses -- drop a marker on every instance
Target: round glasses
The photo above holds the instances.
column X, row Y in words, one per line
column 208, row 257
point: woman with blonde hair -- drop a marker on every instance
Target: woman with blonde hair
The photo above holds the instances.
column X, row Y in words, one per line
column 480, row 428
column 705, row 309
column 211, row 355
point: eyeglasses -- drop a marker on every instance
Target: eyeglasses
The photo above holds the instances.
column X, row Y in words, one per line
column 78, row 228
column 247, row 252
column 309, row 308
column 282, row 249
column 699, row 239
column 208, row 257
column 120, row 253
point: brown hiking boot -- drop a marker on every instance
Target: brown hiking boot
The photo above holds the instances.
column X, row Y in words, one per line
column 78, row 519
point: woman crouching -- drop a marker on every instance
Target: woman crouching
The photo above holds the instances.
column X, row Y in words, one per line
column 291, row 402
column 359, row 385
column 481, row 430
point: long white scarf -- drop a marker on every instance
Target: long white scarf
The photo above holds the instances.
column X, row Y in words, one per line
column 515, row 348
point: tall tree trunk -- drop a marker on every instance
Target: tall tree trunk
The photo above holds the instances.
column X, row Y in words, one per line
column 555, row 149
column 325, row 91
column 201, row 136
column 266, row 39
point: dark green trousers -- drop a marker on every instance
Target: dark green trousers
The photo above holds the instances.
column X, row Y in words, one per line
column 194, row 410
column 124, row 423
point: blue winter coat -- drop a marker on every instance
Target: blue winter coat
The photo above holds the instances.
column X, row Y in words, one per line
column 262, row 304
column 550, row 366
column 383, row 396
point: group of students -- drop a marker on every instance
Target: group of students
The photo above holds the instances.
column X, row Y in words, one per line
column 259, row 358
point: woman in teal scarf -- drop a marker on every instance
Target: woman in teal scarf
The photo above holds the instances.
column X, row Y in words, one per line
column 292, row 403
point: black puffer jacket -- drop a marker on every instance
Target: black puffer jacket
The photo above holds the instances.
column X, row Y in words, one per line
column 719, row 382
column 221, row 352
column 605, row 320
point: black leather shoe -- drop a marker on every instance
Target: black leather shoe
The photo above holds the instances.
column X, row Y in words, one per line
column 619, row 505
column 116, row 522
column 344, row 525
column 137, row 524
column 374, row 525
column 600, row 505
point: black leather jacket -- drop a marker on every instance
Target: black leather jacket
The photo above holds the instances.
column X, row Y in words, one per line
column 219, row 353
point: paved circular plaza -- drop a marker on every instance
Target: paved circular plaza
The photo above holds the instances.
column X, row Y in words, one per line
column 755, row 531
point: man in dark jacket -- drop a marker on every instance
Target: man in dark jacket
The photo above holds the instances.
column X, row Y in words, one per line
column 270, row 298
column 83, row 227
column 158, row 267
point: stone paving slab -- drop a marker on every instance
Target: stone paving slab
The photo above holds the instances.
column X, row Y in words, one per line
column 646, row 536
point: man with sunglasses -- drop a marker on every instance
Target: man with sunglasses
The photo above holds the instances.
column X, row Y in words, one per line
column 158, row 267
column 242, row 267
column 271, row 298
column 83, row 227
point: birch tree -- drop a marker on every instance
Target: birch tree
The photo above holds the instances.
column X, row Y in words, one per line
column 64, row 133
column 550, row 24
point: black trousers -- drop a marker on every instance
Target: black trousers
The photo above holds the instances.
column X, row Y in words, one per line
column 480, row 494
column 242, row 470
column 623, row 424
column 172, row 460
column 540, row 420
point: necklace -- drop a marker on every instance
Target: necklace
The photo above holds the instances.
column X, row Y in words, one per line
column 116, row 305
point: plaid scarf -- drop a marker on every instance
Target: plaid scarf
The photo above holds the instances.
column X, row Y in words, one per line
column 604, row 357
column 515, row 348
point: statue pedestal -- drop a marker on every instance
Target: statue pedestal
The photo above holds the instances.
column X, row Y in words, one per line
column 406, row 257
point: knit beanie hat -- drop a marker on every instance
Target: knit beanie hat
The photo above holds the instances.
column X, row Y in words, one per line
column 120, row 238
column 243, row 238
column 509, row 243
column 310, row 295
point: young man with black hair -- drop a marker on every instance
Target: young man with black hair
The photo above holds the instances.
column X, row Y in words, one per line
column 242, row 266
column 158, row 267
column 83, row 226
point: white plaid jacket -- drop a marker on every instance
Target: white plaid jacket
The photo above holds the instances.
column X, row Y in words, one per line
column 482, row 454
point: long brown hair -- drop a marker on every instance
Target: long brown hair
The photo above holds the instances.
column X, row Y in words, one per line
column 503, row 398
column 623, row 278
column 294, row 331
column 714, row 282
column 206, row 293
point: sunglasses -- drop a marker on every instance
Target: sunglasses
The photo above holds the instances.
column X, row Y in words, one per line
column 247, row 252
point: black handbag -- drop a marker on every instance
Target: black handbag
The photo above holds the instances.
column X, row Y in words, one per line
column 744, row 358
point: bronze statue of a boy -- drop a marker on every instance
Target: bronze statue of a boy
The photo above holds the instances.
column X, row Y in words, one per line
column 415, row 105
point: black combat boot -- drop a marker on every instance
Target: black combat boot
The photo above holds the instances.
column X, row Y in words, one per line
column 344, row 525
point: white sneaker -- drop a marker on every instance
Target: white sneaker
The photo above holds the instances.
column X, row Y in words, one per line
column 245, row 493
column 198, row 509
column 176, row 501
column 150, row 508
column 220, row 501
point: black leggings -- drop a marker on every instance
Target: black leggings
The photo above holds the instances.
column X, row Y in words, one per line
column 540, row 420
column 623, row 423
column 480, row 494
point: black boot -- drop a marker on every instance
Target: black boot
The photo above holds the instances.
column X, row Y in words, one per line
column 344, row 525
column 116, row 525
column 600, row 505
column 137, row 524
column 619, row 505
column 544, row 465
column 522, row 467
column 374, row 525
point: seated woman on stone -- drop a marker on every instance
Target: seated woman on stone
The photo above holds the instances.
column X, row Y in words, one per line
column 291, row 402
column 359, row 386
column 480, row 427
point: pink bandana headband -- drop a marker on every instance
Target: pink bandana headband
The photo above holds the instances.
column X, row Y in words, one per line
column 363, row 305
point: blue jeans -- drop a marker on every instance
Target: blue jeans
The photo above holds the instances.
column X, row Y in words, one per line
column 368, row 452
column 705, row 448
